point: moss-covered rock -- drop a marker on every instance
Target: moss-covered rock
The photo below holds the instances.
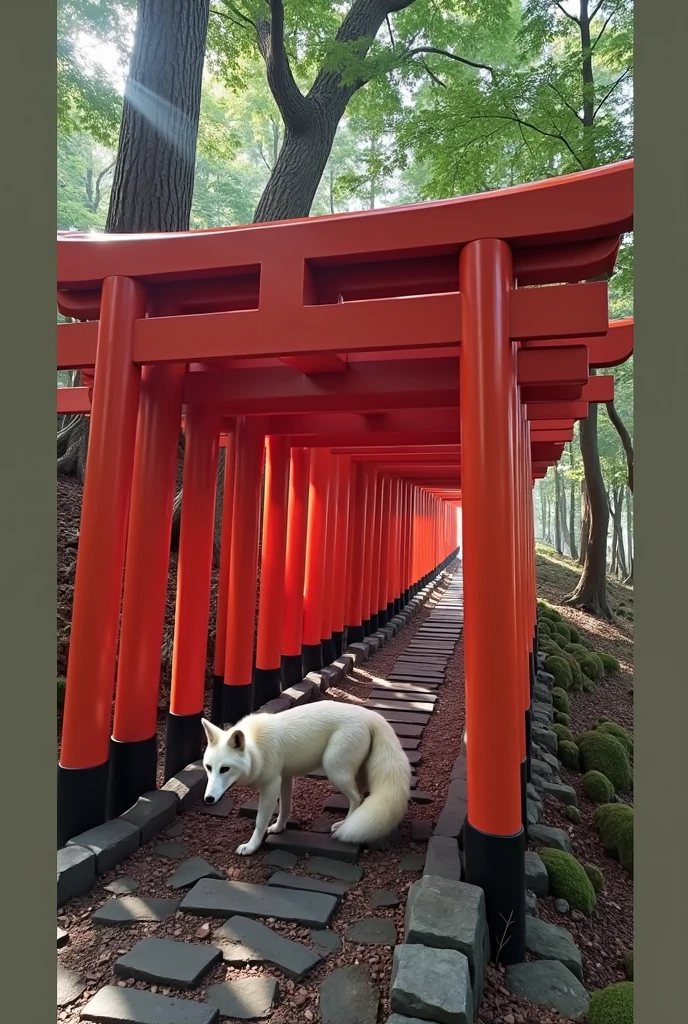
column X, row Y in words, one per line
column 545, row 625
column 561, row 732
column 549, row 612
column 564, row 631
column 588, row 685
column 569, row 756
column 597, row 787
column 575, row 635
column 622, row 735
column 561, row 719
column 591, row 666
column 577, row 677
column 573, row 814
column 559, row 667
column 568, row 880
column 576, row 649
column 601, row 752
column 612, row 1005
column 611, row 664
column 560, row 700
column 614, row 822
column 595, row 875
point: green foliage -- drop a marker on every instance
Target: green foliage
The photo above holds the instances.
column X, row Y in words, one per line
column 574, row 634
column 560, row 700
column 576, row 649
column 568, row 754
column 612, row 1005
column 611, row 664
column 545, row 626
column 568, row 880
column 595, row 875
column 606, row 754
column 561, row 670
column 572, row 814
column 561, row 732
column 561, row 718
column 614, row 822
column 597, row 787
column 564, row 631
column 577, row 677
column 621, row 734
column 591, row 666
column 547, row 612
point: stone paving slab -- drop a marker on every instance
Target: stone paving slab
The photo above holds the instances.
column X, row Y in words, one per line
column 284, row 880
column 407, row 730
column 243, row 941
column 436, row 660
column 167, row 962
column 111, row 843
column 191, row 871
column 372, row 931
column 127, row 910
column 421, row 830
column 171, row 849
column 548, row 983
column 334, row 869
column 433, row 984
column 212, row 898
column 426, row 686
column 442, row 858
column 62, row 937
column 114, row 1005
column 403, row 695
column 122, row 886
column 152, row 813
column 246, row 999
column 281, row 859
column 70, row 985
column 76, row 872
column 547, row 941
column 325, row 941
column 219, row 810
column 348, row 996
column 313, row 843
column 384, row 898
column 396, row 705
column 406, row 717
column 409, row 744
column 250, row 809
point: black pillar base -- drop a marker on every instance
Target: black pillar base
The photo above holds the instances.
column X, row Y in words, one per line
column 216, row 700
column 184, row 738
column 354, row 634
column 238, row 702
column 374, row 625
column 529, row 743
column 407, row 596
column 366, row 627
column 267, row 684
column 312, row 655
column 133, row 771
column 397, row 605
column 524, row 799
column 382, row 618
column 390, row 611
column 81, row 800
column 338, row 641
column 497, row 865
column 329, row 650
column 291, row 669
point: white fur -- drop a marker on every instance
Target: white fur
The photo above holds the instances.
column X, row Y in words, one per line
column 357, row 748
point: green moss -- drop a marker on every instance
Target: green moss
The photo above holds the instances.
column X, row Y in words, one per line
column 61, row 687
column 590, row 666
column 611, row 664
column 588, row 686
column 561, row 670
column 568, row 754
column 561, row 732
column 621, row 734
column 576, row 649
column 564, row 630
column 560, row 700
column 612, row 1005
column 597, row 787
column 568, row 880
column 560, row 718
column 545, row 625
column 573, row 814
column 575, row 635
column 614, row 822
column 549, row 613
column 595, row 875
column 604, row 753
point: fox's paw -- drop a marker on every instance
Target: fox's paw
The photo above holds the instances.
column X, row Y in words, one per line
column 246, row 849
column 275, row 829
column 335, row 827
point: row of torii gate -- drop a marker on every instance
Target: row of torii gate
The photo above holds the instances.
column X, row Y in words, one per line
column 382, row 367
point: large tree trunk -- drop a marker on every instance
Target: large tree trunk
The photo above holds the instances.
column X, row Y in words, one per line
column 585, row 523
column 572, row 522
column 591, row 592
column 557, row 512
column 629, row 532
column 625, row 438
column 617, row 512
column 566, row 540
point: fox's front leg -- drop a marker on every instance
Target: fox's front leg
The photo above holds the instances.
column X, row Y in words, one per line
column 285, row 807
column 267, row 801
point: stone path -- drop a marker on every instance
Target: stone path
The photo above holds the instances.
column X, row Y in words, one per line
column 437, row 972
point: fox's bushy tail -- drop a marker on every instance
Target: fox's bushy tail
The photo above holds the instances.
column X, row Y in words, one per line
column 388, row 774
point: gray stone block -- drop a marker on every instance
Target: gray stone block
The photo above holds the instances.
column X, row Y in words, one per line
column 243, row 941
column 412, row 862
column 284, row 880
column 189, row 785
column 325, row 941
column 62, row 937
column 334, row 869
column 70, row 985
column 547, row 941
column 331, row 675
column 564, row 794
column 312, row 843
column 114, row 1005
column 76, row 872
column 421, row 828
column 359, row 651
column 432, row 984
column 111, row 843
column 547, row 738
column 546, row 678
column 537, row 878
column 453, row 815
column 191, row 871
column 384, row 898
column 446, row 914
column 422, row 707
column 348, row 996
column 211, row 898
column 548, row 983
column 152, row 812
column 372, row 931
column 276, row 706
column 167, row 962
column 303, row 692
column 246, row 999
column 532, row 812
column 346, row 662
column 547, row 835
column 280, row 859
column 442, row 858
column 531, row 904
column 220, row 809
column 374, row 644
column 171, row 849
column 122, row 886
column 133, row 910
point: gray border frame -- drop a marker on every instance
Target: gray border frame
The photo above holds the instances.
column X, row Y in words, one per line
column 27, row 512
column 661, row 563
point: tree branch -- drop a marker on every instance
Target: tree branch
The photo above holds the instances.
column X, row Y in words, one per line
column 594, row 13
column 99, row 179
column 292, row 104
column 563, row 10
column 452, row 56
column 431, row 74
column 610, row 91
column 625, row 438
column 566, row 103
column 533, row 127
column 601, row 32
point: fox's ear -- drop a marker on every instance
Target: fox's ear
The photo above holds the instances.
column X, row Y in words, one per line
column 213, row 734
column 237, row 739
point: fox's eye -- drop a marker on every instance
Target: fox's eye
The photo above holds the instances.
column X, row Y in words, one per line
column 224, row 769
column 207, row 768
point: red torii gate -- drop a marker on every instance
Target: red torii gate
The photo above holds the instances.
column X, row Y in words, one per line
column 202, row 321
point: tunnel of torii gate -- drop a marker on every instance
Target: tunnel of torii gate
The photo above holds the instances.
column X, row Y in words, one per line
column 375, row 370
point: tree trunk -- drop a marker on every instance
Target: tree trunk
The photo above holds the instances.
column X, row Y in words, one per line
column 591, row 592
column 629, row 532
column 557, row 512
column 614, row 548
column 543, row 510
column 585, row 523
column 572, row 522
column 566, row 540
column 625, row 437
column 618, row 525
